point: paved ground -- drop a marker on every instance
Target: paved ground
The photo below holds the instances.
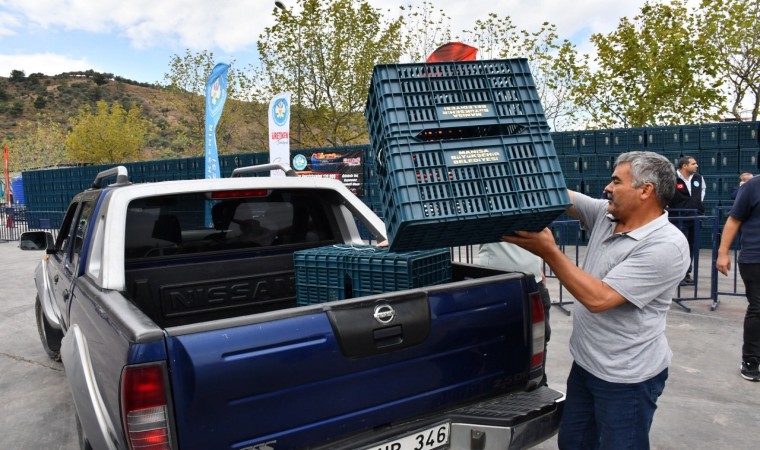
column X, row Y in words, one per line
column 706, row 404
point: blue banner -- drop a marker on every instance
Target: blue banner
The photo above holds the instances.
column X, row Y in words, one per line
column 216, row 94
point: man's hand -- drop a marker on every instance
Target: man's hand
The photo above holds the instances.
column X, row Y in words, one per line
column 540, row 243
column 723, row 264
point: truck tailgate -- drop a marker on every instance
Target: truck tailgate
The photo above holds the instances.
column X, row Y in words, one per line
column 327, row 371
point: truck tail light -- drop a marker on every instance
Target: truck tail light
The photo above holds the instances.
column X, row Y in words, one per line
column 538, row 331
column 145, row 407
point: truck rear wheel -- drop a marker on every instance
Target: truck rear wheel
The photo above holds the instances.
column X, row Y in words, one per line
column 49, row 336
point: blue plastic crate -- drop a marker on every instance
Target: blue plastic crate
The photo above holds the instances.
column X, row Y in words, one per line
column 450, row 100
column 709, row 136
column 343, row 271
column 600, row 165
column 469, row 192
column 637, row 138
column 749, row 160
column 729, row 135
column 565, row 142
column 620, row 140
column 603, row 141
column 749, row 135
column 690, row 137
column 718, row 162
column 570, row 165
column 719, row 187
column 664, row 138
column 594, row 187
column 587, row 142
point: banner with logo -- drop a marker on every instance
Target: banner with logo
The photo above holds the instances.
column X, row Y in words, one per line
column 279, row 131
column 216, row 94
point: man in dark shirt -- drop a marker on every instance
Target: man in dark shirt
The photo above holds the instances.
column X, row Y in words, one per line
column 689, row 195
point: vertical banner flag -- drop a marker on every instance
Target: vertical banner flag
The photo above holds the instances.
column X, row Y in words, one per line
column 279, row 131
column 216, row 94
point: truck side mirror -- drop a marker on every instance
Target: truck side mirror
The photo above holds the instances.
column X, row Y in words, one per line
column 36, row 240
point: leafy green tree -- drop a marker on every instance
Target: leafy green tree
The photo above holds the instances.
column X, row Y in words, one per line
column 732, row 29
column 652, row 70
column 108, row 134
column 18, row 75
column 556, row 66
column 37, row 143
column 186, row 81
column 324, row 52
column 425, row 28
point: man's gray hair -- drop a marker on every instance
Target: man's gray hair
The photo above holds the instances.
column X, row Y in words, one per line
column 650, row 167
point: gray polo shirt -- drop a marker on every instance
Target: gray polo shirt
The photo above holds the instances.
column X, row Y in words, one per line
column 627, row 344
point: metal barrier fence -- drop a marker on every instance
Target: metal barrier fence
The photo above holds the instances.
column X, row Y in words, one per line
column 572, row 240
column 567, row 233
column 17, row 220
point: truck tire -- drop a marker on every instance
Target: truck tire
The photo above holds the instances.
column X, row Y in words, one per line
column 84, row 444
column 49, row 336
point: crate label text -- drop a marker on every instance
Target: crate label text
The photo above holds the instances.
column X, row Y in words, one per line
column 474, row 156
column 465, row 111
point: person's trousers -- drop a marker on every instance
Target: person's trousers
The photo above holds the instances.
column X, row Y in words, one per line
column 611, row 416
column 688, row 228
column 750, row 274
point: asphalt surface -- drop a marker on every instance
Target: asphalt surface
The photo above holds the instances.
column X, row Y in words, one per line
column 706, row 404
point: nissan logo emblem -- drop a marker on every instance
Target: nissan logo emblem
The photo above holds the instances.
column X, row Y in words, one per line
column 384, row 313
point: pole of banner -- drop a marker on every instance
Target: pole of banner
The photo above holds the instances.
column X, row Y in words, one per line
column 8, row 213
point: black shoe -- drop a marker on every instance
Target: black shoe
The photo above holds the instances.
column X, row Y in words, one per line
column 687, row 280
column 750, row 370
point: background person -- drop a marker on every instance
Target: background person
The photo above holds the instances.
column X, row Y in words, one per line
column 634, row 263
column 689, row 194
column 501, row 255
column 743, row 178
column 745, row 216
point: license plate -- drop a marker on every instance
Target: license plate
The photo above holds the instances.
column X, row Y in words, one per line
column 428, row 439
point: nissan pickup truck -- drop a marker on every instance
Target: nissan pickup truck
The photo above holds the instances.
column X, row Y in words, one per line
column 177, row 331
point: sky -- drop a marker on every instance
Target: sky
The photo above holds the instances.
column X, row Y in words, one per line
column 136, row 39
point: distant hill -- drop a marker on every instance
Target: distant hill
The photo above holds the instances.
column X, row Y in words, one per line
column 25, row 98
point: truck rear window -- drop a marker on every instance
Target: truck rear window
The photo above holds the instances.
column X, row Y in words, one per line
column 196, row 223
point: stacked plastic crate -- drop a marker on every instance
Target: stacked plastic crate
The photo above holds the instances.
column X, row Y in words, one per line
column 463, row 152
column 339, row 272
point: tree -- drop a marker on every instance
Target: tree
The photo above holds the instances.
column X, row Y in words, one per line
column 18, row 75
column 425, row 29
column 325, row 52
column 186, row 81
column 555, row 65
column 107, row 134
column 732, row 29
column 652, row 70
column 38, row 143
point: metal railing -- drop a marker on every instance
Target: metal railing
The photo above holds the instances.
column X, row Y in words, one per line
column 17, row 220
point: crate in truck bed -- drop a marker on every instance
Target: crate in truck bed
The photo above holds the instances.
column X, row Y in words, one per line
column 343, row 271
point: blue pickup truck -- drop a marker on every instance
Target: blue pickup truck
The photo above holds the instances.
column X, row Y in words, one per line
column 179, row 331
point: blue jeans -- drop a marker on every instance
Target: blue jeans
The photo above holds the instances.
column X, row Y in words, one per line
column 603, row 415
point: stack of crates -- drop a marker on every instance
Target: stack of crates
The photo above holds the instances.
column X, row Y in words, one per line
column 344, row 271
column 462, row 152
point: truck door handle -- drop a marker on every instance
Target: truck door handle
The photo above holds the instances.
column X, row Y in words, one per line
column 65, row 294
column 55, row 278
